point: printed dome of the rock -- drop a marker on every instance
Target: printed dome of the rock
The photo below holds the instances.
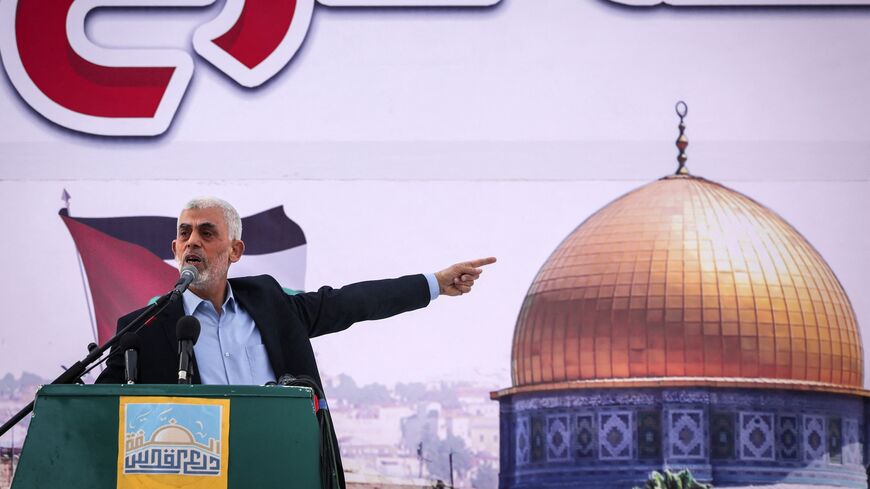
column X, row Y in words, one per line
column 172, row 434
column 686, row 281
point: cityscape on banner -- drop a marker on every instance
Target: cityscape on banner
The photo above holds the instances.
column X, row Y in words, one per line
column 400, row 436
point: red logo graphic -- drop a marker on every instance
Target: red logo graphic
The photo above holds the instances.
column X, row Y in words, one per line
column 135, row 92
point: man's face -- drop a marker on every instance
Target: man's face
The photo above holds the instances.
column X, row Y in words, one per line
column 203, row 241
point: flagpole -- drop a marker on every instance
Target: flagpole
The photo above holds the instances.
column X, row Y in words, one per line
column 87, row 297
column 66, row 198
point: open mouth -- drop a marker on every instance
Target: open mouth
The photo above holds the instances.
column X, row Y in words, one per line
column 192, row 260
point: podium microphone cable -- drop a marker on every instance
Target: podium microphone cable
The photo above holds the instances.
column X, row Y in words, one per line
column 329, row 477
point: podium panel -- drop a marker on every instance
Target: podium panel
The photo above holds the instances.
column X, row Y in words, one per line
column 195, row 436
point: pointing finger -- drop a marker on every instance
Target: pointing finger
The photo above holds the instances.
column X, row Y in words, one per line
column 482, row 261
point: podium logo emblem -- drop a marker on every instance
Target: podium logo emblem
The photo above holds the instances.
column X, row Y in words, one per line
column 180, row 442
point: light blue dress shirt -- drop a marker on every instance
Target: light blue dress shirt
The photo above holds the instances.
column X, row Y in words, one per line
column 434, row 289
column 229, row 350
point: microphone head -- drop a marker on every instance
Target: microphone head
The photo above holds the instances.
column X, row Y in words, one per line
column 191, row 271
column 187, row 328
column 130, row 341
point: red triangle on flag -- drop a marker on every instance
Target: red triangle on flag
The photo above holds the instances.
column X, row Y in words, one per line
column 122, row 276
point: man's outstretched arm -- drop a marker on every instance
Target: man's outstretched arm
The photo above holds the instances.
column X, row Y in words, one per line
column 329, row 310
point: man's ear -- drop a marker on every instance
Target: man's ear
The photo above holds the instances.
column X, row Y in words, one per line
column 174, row 254
column 236, row 250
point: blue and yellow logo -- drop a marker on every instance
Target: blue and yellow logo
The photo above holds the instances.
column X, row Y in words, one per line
column 173, row 442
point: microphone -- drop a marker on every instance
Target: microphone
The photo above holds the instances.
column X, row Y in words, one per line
column 130, row 345
column 187, row 332
column 189, row 273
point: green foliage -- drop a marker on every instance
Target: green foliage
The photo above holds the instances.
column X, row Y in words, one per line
column 669, row 480
column 423, row 428
column 8, row 384
column 348, row 390
column 413, row 392
column 436, row 454
column 416, row 392
column 418, row 427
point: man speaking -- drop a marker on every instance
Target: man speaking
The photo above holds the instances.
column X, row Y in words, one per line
column 252, row 332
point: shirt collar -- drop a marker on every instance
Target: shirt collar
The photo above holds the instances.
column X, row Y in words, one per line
column 192, row 301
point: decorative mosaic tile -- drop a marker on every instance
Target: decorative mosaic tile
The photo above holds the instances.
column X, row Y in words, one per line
column 584, row 436
column 686, row 396
column 783, row 402
column 835, row 440
column 779, row 401
column 505, row 427
column 722, row 436
column 523, row 442
column 686, row 433
column 789, row 444
column 539, row 438
column 615, row 432
column 814, row 438
column 558, row 438
column 586, row 400
column 756, row 436
column 649, row 435
column 851, row 442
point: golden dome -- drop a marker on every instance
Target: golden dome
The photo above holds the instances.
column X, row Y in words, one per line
column 172, row 435
column 686, row 282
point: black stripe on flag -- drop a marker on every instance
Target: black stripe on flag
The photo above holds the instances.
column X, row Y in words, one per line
column 266, row 232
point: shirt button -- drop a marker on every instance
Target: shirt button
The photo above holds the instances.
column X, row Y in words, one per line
column 227, row 354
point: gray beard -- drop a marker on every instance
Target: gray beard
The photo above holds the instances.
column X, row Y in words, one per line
column 210, row 274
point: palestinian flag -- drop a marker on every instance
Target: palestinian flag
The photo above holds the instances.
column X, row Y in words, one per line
column 128, row 260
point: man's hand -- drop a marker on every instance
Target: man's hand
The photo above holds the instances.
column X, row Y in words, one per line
column 458, row 279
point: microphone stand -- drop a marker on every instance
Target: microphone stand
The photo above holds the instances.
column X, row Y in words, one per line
column 79, row 368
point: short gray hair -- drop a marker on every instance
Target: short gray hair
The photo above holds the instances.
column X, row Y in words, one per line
column 231, row 216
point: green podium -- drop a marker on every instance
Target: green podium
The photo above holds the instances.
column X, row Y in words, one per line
column 202, row 436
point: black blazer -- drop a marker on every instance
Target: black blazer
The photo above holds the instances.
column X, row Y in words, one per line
column 285, row 322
